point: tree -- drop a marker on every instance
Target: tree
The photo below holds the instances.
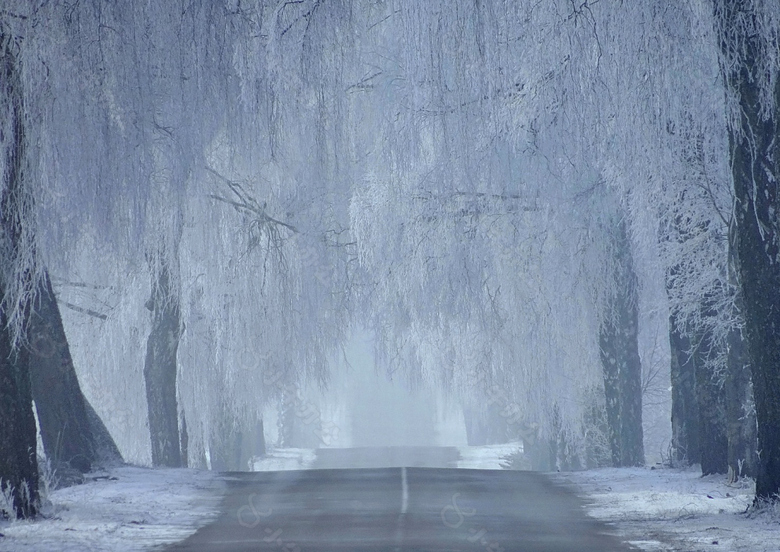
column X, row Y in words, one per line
column 619, row 347
column 18, row 462
column 74, row 438
column 160, row 371
column 747, row 38
column 740, row 406
column 685, row 407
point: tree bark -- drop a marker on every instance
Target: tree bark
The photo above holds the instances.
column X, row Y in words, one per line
column 685, row 407
column 619, row 347
column 18, row 461
column 65, row 422
column 160, row 372
column 741, row 420
column 755, row 155
column 740, row 409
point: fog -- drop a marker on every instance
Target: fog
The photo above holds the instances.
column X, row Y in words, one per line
column 383, row 411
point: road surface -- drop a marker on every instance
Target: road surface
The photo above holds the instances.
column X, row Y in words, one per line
column 415, row 507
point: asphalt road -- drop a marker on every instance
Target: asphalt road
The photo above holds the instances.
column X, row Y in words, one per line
column 376, row 508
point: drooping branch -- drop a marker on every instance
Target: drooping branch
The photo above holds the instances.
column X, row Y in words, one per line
column 246, row 203
column 83, row 310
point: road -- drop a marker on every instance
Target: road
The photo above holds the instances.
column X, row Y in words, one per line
column 415, row 507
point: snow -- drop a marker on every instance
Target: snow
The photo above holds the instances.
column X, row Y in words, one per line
column 487, row 457
column 284, row 459
column 131, row 508
column 670, row 509
column 124, row 509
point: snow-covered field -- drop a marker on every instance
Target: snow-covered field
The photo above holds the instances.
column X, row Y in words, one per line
column 124, row 509
column 677, row 510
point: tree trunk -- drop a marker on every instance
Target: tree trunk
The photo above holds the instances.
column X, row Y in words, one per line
column 66, row 428
column 710, row 396
column 685, row 407
column 619, row 346
column 755, row 154
column 160, row 372
column 18, row 461
column 740, row 409
column 286, row 420
column 107, row 453
column 184, row 442
column 740, row 415
column 259, row 445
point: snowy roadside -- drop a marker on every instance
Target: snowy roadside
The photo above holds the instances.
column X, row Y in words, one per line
column 676, row 510
column 488, row 457
column 132, row 509
column 284, row 459
column 124, row 509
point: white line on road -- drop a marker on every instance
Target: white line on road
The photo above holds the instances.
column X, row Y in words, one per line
column 399, row 530
column 404, row 491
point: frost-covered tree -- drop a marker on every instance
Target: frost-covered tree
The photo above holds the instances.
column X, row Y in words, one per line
column 18, row 463
column 748, row 40
column 474, row 245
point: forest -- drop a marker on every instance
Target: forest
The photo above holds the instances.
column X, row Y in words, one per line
column 199, row 199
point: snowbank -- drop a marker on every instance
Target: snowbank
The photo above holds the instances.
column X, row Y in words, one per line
column 284, row 459
column 667, row 509
column 124, row 509
column 487, row 457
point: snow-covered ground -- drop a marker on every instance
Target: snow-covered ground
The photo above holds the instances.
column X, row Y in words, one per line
column 131, row 509
column 661, row 509
column 677, row 510
column 285, row 459
column 124, row 509
column 487, row 457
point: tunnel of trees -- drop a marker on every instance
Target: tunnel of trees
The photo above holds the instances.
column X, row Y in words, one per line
column 553, row 211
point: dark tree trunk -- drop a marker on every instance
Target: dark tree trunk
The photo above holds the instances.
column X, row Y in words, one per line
column 18, row 461
column 185, row 442
column 160, row 372
column 741, row 421
column 65, row 423
column 107, row 453
column 740, row 412
column 710, row 396
column 685, row 407
column 755, row 155
column 619, row 346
